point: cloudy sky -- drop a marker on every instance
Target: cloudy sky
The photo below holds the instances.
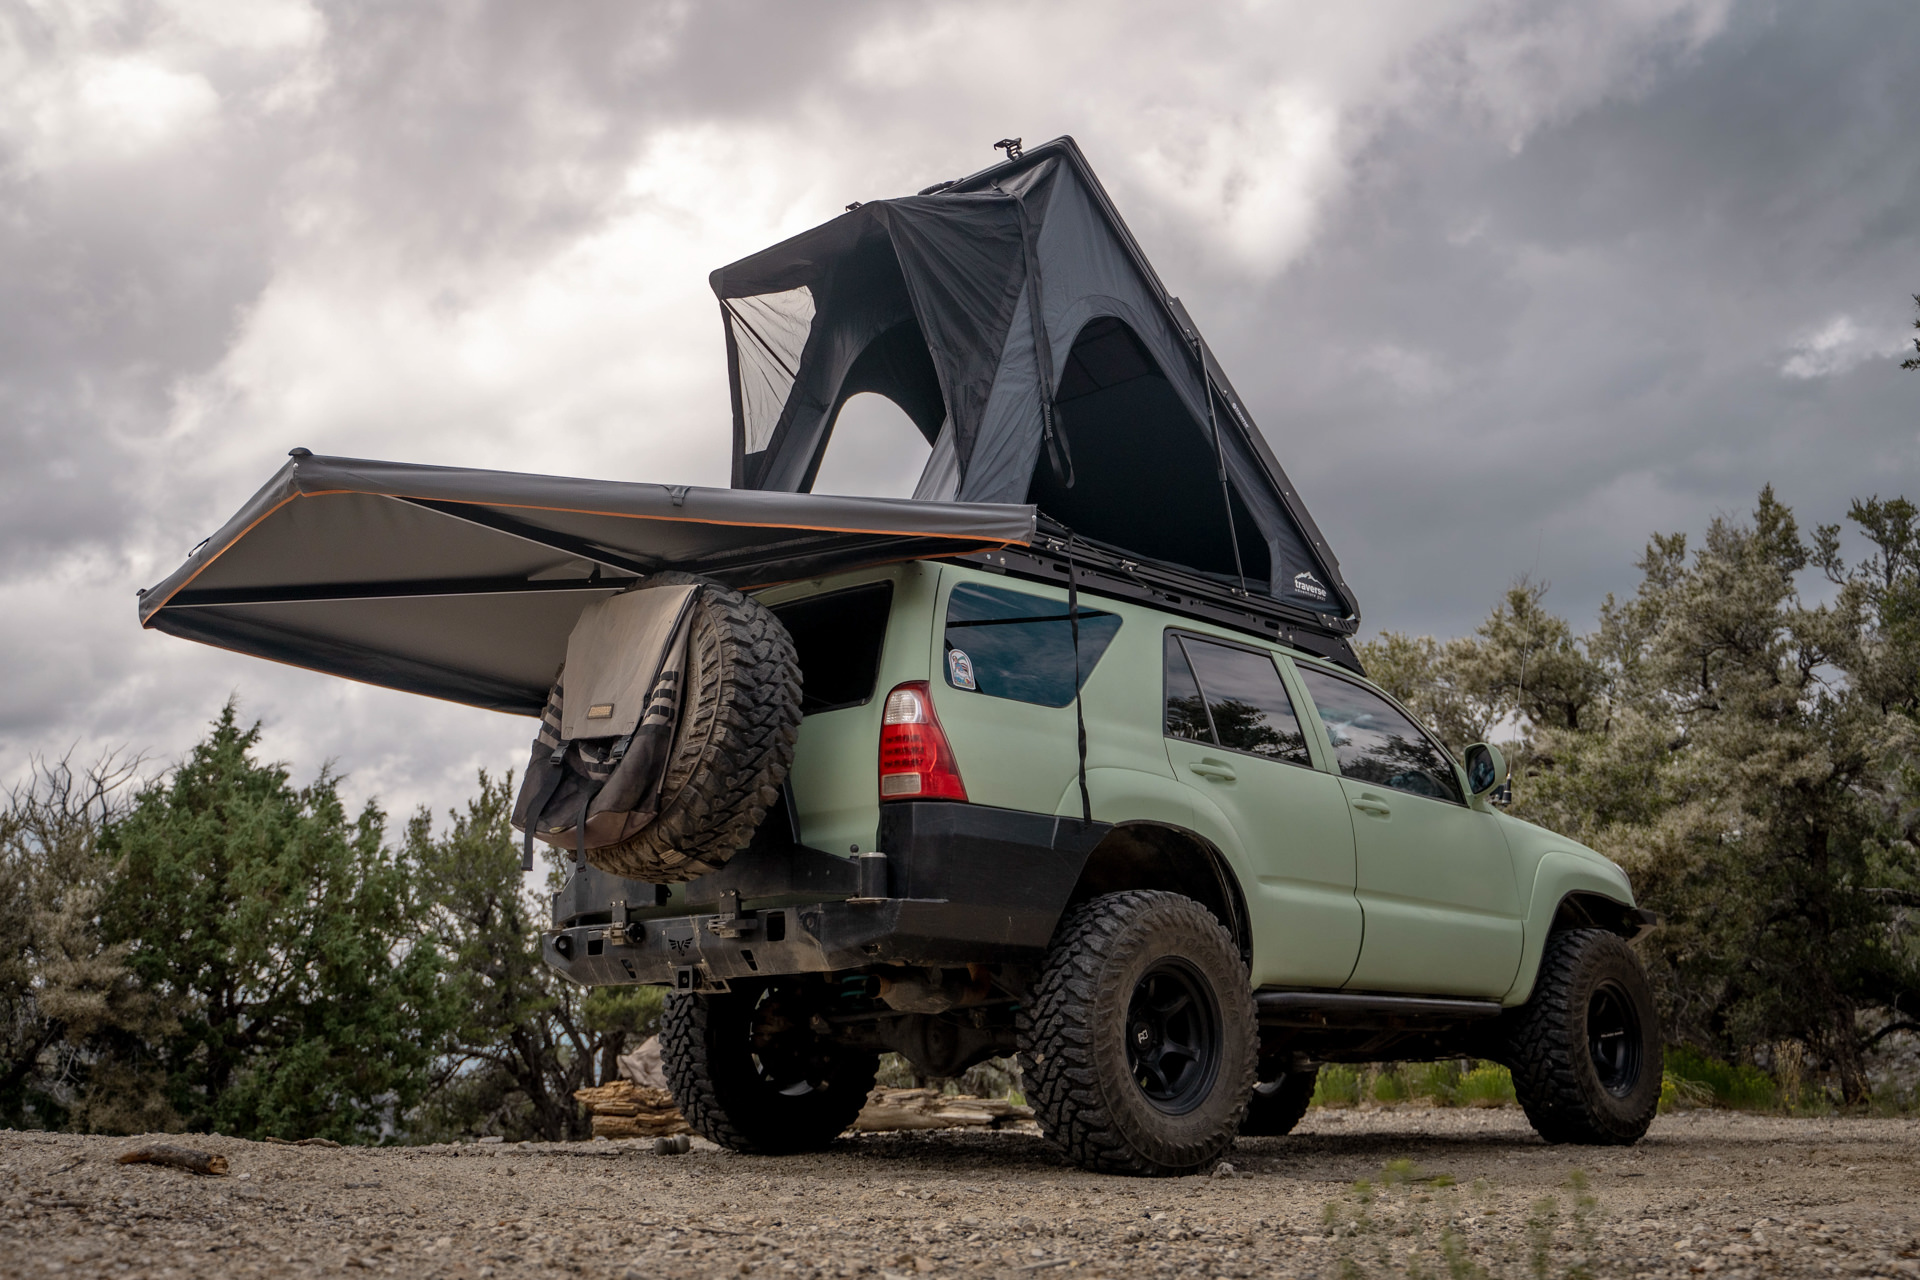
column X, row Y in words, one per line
column 1508, row 285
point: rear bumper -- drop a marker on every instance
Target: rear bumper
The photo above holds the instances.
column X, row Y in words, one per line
column 967, row 884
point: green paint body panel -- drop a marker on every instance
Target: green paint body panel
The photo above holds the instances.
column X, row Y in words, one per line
column 836, row 759
column 1431, row 898
column 1436, row 883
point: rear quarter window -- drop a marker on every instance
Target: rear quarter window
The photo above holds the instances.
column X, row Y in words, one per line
column 1009, row 644
column 838, row 638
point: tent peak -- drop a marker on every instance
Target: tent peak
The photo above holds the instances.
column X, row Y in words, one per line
column 1016, row 321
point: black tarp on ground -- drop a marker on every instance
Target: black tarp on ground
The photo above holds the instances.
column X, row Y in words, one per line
column 464, row 584
column 1015, row 320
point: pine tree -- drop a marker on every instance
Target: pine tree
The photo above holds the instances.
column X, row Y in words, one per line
column 285, row 937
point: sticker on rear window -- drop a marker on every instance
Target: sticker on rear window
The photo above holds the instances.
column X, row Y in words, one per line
column 960, row 669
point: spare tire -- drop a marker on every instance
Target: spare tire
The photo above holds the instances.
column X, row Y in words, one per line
column 733, row 746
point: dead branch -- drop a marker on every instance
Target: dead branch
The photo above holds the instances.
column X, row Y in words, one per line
column 187, row 1158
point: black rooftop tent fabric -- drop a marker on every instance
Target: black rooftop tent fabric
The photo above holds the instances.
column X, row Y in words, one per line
column 1015, row 320
column 910, row 297
column 464, row 584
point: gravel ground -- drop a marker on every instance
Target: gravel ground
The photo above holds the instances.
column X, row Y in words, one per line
column 1732, row 1195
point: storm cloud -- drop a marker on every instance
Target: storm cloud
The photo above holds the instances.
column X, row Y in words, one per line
column 1509, row 286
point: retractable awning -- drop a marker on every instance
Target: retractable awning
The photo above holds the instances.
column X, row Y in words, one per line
column 464, row 584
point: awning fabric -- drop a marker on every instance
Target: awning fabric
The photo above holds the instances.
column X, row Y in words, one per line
column 464, row 584
column 1013, row 317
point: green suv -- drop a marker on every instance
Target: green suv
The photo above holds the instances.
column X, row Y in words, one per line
column 1069, row 754
column 1282, row 869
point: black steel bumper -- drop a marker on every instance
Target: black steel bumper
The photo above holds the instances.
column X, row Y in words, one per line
column 967, row 884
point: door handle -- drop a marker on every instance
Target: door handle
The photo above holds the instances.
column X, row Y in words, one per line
column 1215, row 770
column 1374, row 805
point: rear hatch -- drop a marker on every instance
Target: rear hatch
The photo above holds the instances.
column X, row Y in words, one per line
column 856, row 635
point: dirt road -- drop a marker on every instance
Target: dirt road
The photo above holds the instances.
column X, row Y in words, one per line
column 1706, row 1193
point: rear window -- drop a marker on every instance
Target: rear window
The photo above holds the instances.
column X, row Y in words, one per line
column 838, row 637
column 1008, row 644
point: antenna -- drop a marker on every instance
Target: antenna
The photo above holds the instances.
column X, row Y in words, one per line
column 1011, row 146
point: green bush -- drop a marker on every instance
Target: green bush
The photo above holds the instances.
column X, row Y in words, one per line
column 1743, row 1087
column 1389, row 1085
column 1487, row 1085
column 1677, row 1094
column 1338, row 1086
column 1438, row 1082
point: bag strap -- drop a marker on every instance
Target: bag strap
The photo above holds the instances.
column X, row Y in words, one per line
column 543, row 794
column 552, row 781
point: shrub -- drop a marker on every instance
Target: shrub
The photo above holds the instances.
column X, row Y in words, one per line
column 1743, row 1087
column 1438, row 1082
column 1338, row 1086
column 1677, row 1094
column 1389, row 1085
column 1487, row 1085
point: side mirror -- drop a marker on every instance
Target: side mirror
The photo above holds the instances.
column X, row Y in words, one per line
column 1486, row 768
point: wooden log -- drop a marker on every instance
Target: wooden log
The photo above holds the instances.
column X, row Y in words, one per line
column 624, row 1097
column 204, row 1162
column 895, row 1109
column 624, row 1109
column 638, row 1126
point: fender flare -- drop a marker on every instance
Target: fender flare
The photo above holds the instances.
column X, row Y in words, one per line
column 1572, row 891
column 1156, row 854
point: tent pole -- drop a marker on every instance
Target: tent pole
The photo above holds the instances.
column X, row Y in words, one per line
column 1220, row 461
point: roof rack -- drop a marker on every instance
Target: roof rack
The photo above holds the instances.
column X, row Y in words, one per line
column 1106, row 571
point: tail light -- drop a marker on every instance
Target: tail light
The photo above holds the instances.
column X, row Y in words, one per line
column 915, row 761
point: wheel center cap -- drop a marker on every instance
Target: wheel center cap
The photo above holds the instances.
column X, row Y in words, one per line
column 1142, row 1036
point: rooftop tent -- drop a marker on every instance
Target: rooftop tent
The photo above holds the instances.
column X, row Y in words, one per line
column 464, row 584
column 1014, row 319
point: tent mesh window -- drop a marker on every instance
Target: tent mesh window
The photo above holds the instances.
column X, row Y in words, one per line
column 800, row 353
column 767, row 333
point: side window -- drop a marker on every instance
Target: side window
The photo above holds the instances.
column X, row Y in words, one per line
column 1186, row 713
column 1008, row 644
column 837, row 638
column 1375, row 743
column 1232, row 697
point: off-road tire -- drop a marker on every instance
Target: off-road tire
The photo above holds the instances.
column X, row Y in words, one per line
column 708, row 1054
column 1276, row 1106
column 1092, row 996
column 733, row 747
column 1590, row 980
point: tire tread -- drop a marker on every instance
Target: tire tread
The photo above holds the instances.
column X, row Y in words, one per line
column 1059, row 1025
column 1542, row 1045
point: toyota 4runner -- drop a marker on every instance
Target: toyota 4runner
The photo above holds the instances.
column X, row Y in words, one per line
column 1281, row 868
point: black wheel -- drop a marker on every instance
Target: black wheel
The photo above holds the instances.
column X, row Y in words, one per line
column 733, row 747
column 748, row 1071
column 1276, row 1105
column 1137, row 1048
column 1585, row 1050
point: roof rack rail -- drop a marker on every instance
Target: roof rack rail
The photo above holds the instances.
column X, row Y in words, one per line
column 1172, row 589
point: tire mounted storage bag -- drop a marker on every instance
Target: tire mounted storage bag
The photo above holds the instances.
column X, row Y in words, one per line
column 667, row 733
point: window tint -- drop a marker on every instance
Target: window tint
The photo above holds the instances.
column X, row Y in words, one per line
column 837, row 638
column 1246, row 706
column 1008, row 644
column 1375, row 743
